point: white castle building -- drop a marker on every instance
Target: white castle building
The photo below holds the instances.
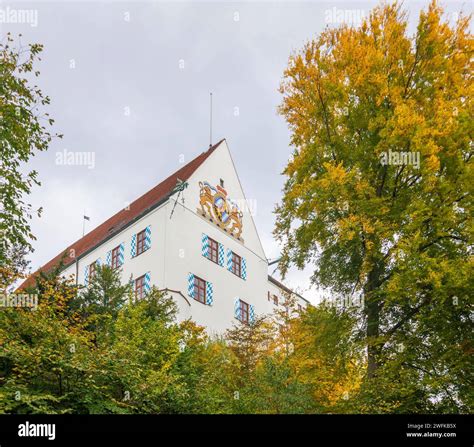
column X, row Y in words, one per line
column 192, row 236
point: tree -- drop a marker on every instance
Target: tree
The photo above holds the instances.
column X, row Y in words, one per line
column 398, row 233
column 47, row 364
column 141, row 353
column 100, row 302
column 210, row 370
column 54, row 361
column 251, row 342
column 23, row 132
column 327, row 356
column 15, row 268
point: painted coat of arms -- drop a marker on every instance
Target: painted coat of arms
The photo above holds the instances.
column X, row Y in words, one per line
column 218, row 208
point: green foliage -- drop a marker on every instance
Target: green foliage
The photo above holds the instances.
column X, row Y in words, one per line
column 100, row 302
column 23, row 131
column 274, row 388
column 398, row 234
column 98, row 350
column 133, row 357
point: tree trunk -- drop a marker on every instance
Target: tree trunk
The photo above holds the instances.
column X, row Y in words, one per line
column 372, row 332
column 372, row 314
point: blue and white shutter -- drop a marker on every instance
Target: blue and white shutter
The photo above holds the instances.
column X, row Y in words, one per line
column 205, row 245
column 244, row 268
column 147, row 237
column 237, row 313
column 221, row 254
column 191, row 285
column 229, row 259
column 209, row 293
column 251, row 314
column 108, row 258
column 147, row 283
column 133, row 246
column 121, row 253
column 86, row 275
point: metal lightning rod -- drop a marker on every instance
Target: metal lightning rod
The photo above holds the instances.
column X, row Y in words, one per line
column 210, row 120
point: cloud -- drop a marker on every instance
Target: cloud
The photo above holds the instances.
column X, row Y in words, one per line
column 118, row 89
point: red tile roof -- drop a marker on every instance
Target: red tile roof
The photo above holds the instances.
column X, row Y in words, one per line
column 118, row 221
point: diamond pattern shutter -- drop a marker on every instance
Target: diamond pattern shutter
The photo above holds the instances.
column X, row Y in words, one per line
column 191, row 285
column 209, row 293
column 205, row 245
column 147, row 237
column 229, row 259
column 121, row 253
column 221, row 254
column 237, row 309
column 251, row 314
column 133, row 246
column 86, row 275
column 244, row 268
column 147, row 283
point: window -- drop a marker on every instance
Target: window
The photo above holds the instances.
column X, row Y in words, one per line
column 300, row 308
column 141, row 246
column 244, row 312
column 236, row 265
column 140, row 287
column 275, row 300
column 92, row 270
column 213, row 251
column 115, row 257
column 199, row 290
column 221, row 182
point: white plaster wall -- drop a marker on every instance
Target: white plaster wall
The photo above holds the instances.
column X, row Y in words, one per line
column 184, row 249
column 275, row 290
column 176, row 250
column 152, row 260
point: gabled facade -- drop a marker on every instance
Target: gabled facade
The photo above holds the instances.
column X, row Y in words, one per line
column 192, row 236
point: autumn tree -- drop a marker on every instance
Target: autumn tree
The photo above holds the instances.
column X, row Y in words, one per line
column 396, row 229
column 250, row 342
column 265, row 379
column 327, row 356
column 210, row 370
column 23, row 132
column 46, row 361
column 100, row 302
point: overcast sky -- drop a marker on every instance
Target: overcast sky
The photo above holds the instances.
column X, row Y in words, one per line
column 131, row 81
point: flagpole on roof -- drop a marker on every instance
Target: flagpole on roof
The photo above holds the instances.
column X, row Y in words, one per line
column 210, row 120
column 84, row 218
